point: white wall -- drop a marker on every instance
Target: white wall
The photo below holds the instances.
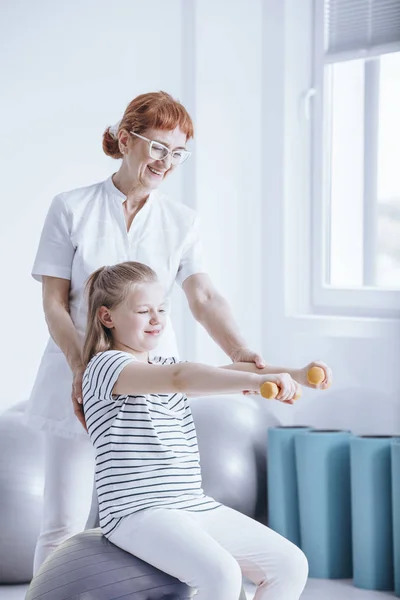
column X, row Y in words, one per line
column 236, row 68
column 68, row 70
column 228, row 155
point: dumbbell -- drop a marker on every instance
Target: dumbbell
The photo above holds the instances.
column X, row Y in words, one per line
column 270, row 390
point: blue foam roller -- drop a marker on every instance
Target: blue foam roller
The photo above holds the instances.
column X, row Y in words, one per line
column 283, row 508
column 396, row 511
column 372, row 512
column 323, row 471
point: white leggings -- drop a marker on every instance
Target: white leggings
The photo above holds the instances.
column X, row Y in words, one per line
column 211, row 550
column 69, row 476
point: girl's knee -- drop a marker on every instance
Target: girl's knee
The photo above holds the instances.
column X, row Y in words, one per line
column 224, row 578
column 293, row 566
column 300, row 564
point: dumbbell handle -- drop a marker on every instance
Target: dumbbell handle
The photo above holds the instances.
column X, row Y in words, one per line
column 270, row 390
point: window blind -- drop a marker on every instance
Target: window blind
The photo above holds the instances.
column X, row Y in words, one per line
column 361, row 28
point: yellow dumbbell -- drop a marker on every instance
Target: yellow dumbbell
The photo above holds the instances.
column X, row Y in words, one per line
column 315, row 375
column 270, row 390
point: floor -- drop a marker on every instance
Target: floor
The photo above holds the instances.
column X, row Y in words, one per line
column 324, row 589
column 317, row 589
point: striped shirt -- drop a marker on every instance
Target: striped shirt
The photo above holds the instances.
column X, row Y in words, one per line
column 146, row 446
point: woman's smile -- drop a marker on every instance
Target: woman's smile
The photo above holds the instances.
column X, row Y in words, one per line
column 156, row 172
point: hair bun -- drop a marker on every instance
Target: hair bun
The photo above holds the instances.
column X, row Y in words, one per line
column 111, row 145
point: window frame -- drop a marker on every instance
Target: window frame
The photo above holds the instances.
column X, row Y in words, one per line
column 326, row 298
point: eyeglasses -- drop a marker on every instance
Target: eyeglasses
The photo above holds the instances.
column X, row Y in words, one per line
column 158, row 151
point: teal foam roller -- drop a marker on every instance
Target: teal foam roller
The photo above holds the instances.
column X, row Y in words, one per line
column 372, row 512
column 395, row 452
column 323, row 471
column 283, row 509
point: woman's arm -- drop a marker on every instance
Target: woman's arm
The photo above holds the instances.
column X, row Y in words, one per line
column 268, row 370
column 195, row 379
column 61, row 328
column 213, row 312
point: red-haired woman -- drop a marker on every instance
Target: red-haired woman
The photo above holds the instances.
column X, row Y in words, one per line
column 124, row 218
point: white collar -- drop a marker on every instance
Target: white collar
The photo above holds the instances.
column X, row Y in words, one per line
column 112, row 190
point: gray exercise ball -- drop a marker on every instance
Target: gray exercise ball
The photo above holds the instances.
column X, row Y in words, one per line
column 89, row 567
column 232, row 436
column 21, row 495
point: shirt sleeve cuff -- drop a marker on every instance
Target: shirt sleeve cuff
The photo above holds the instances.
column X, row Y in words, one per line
column 51, row 271
column 187, row 271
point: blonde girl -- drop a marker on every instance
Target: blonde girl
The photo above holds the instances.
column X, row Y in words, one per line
column 148, row 474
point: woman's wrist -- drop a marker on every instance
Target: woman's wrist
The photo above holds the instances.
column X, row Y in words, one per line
column 235, row 353
column 296, row 375
column 76, row 366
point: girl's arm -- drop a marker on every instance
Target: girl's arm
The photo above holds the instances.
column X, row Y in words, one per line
column 195, row 379
column 251, row 368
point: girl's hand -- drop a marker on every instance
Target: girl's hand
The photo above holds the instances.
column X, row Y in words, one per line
column 302, row 376
column 288, row 387
column 76, row 395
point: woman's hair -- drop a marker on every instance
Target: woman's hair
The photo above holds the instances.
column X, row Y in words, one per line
column 155, row 110
column 109, row 286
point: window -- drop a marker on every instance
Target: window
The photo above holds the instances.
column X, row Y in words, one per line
column 356, row 150
column 361, row 106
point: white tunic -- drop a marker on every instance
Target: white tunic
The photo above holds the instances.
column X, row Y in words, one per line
column 147, row 454
column 84, row 230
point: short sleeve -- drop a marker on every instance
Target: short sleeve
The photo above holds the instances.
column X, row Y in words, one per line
column 102, row 374
column 192, row 259
column 55, row 251
column 162, row 360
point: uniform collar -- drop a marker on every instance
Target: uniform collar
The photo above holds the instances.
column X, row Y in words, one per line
column 113, row 190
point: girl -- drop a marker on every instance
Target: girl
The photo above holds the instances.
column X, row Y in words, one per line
column 148, row 475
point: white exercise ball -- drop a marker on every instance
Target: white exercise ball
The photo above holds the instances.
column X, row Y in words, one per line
column 21, row 495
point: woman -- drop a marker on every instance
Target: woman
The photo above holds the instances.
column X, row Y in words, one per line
column 122, row 218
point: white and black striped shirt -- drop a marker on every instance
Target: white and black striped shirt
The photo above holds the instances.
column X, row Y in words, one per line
column 146, row 446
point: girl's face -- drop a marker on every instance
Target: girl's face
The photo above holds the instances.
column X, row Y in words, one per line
column 138, row 322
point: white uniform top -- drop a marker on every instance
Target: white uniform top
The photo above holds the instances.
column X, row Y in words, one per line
column 86, row 229
column 146, row 445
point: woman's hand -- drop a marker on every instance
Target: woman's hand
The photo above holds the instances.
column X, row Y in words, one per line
column 245, row 355
column 301, row 376
column 289, row 389
column 76, row 395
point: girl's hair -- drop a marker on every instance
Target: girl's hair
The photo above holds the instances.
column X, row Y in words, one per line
column 155, row 110
column 109, row 286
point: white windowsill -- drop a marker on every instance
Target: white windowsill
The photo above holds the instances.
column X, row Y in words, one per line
column 343, row 326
